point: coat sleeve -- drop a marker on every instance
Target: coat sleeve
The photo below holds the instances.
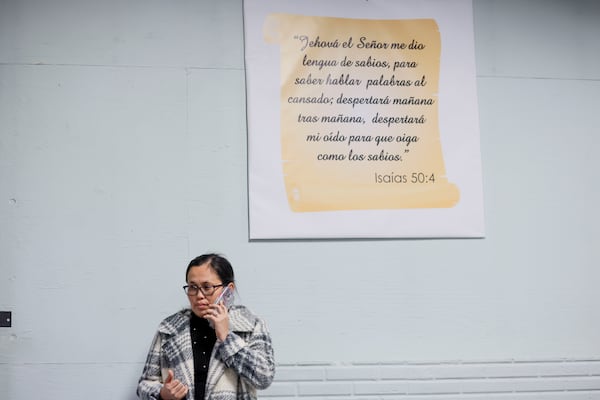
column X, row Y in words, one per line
column 250, row 355
column 150, row 382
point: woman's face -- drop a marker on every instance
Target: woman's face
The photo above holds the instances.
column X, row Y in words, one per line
column 204, row 277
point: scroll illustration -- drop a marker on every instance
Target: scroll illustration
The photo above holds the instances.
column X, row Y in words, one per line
column 359, row 113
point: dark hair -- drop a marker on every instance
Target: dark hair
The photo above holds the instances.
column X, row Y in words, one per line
column 217, row 263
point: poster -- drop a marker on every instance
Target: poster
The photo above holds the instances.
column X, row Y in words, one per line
column 362, row 119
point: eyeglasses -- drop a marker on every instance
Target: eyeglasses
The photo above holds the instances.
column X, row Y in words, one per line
column 207, row 290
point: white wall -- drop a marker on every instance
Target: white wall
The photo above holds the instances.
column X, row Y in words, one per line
column 123, row 155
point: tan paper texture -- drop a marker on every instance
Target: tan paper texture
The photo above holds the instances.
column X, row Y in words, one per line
column 359, row 113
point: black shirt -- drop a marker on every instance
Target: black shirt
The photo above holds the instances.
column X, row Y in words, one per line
column 203, row 341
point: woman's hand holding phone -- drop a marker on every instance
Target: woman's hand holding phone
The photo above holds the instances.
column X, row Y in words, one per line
column 218, row 315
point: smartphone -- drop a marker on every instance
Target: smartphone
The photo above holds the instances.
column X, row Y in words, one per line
column 226, row 297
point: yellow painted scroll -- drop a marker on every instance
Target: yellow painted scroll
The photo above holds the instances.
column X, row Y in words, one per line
column 359, row 113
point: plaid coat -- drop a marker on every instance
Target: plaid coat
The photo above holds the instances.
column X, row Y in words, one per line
column 238, row 366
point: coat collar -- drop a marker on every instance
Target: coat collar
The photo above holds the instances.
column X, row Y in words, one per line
column 240, row 320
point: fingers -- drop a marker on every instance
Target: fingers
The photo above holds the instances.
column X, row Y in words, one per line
column 169, row 376
column 179, row 390
column 219, row 316
column 173, row 390
column 216, row 312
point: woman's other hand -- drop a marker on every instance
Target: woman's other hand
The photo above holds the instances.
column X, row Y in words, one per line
column 173, row 389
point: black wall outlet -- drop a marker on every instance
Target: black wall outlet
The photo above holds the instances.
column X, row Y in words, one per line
column 5, row 319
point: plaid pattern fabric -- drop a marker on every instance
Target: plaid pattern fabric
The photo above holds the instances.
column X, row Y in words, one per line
column 240, row 365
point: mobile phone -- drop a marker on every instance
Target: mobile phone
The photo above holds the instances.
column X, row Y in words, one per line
column 226, row 297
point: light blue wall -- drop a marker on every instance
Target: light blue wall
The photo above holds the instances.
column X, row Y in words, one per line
column 123, row 155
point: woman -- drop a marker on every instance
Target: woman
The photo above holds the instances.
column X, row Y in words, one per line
column 212, row 350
